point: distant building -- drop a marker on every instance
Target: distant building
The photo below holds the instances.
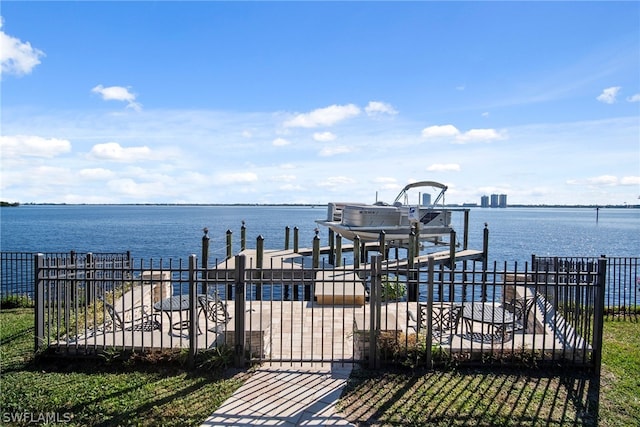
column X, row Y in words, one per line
column 426, row 199
column 502, row 201
column 496, row 201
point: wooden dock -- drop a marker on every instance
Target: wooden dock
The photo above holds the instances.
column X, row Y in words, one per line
column 341, row 285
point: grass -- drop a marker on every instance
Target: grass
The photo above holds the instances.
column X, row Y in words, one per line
column 151, row 391
column 111, row 391
column 507, row 397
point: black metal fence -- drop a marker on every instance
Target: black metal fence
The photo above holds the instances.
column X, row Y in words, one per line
column 17, row 270
column 622, row 289
column 376, row 313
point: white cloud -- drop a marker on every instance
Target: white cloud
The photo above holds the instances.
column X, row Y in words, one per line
column 480, row 135
column 96, row 174
column 290, row 187
column 32, row 146
column 280, row 142
column 603, row 180
column 327, row 116
column 337, row 181
column 235, row 178
column 118, row 93
column 377, row 107
column 634, row 98
column 17, row 57
column 284, row 178
column 440, row 131
column 324, row 136
column 608, row 95
column 472, row 135
column 630, row 180
column 332, row 151
column 115, row 152
column 444, row 167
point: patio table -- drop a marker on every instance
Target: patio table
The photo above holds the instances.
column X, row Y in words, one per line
column 175, row 304
column 494, row 316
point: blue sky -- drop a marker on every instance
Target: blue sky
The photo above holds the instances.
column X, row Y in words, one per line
column 311, row 102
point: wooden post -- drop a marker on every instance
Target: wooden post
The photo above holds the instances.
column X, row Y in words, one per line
column 287, row 231
column 452, row 249
column 295, row 239
column 243, row 237
column 465, row 237
column 229, row 244
column 259, row 251
column 356, row 252
column 332, row 247
column 382, row 244
column 316, row 250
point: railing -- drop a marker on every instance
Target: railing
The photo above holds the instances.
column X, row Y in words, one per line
column 17, row 269
column 287, row 312
column 622, row 289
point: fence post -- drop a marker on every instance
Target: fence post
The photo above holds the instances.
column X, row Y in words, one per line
column 374, row 311
column 599, row 315
column 193, row 309
column 239, row 310
column 412, row 277
column 205, row 259
column 89, row 284
column 39, row 301
column 485, row 260
column 430, row 285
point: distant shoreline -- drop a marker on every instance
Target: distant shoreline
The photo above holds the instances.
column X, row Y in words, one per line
column 16, row 204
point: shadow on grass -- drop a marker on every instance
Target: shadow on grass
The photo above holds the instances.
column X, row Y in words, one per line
column 479, row 396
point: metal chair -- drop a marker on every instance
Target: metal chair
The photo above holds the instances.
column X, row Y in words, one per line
column 445, row 320
column 215, row 311
column 144, row 322
column 521, row 308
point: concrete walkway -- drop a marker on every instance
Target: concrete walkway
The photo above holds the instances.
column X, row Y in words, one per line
column 286, row 395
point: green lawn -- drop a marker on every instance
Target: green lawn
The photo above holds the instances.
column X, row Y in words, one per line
column 490, row 397
column 106, row 392
column 150, row 392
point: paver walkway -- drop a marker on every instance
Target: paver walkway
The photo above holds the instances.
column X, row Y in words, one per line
column 286, row 395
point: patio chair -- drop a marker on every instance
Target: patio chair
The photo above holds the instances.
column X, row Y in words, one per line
column 520, row 307
column 143, row 322
column 445, row 320
column 215, row 311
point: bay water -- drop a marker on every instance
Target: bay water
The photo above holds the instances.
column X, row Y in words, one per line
column 153, row 231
